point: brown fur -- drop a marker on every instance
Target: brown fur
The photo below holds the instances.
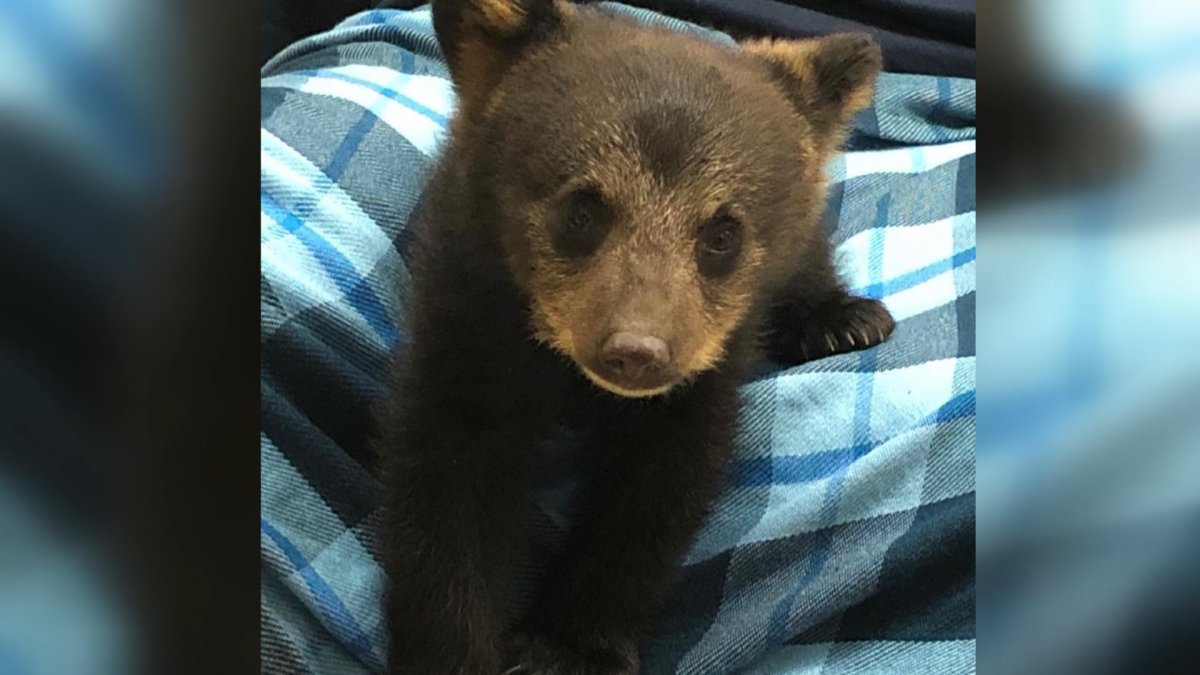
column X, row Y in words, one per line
column 736, row 160
column 602, row 177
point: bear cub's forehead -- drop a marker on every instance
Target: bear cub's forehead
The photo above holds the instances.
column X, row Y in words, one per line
column 671, row 99
column 639, row 63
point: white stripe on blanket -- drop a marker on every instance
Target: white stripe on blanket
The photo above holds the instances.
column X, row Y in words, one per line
column 435, row 93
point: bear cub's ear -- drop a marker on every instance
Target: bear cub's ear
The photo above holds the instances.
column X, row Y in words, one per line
column 827, row 79
column 480, row 39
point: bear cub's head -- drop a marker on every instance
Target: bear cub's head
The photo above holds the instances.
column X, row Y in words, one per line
column 648, row 188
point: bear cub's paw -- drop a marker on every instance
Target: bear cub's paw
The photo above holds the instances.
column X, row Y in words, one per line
column 846, row 324
column 530, row 654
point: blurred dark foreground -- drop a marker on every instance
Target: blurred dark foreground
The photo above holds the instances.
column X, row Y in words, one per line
column 128, row 363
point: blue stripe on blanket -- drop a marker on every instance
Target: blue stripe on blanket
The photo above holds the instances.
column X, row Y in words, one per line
column 340, row 620
column 919, row 276
column 386, row 92
column 349, row 145
column 361, row 297
column 795, row 469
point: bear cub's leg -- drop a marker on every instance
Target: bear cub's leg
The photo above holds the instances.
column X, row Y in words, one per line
column 816, row 317
column 662, row 464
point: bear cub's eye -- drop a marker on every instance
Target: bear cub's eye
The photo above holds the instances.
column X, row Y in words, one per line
column 718, row 244
column 583, row 224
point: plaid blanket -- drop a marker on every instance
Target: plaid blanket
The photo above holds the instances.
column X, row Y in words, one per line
column 844, row 541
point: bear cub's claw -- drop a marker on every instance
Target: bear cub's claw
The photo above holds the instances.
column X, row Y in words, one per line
column 846, row 324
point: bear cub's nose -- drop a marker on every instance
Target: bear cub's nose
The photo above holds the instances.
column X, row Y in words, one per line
column 634, row 358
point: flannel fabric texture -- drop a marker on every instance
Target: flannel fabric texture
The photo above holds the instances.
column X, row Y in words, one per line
column 844, row 540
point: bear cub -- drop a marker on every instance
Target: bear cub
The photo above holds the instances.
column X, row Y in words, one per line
column 622, row 219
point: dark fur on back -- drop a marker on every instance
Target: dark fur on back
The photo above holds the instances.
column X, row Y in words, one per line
column 601, row 177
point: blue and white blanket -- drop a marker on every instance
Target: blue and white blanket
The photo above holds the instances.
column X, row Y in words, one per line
column 844, row 541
